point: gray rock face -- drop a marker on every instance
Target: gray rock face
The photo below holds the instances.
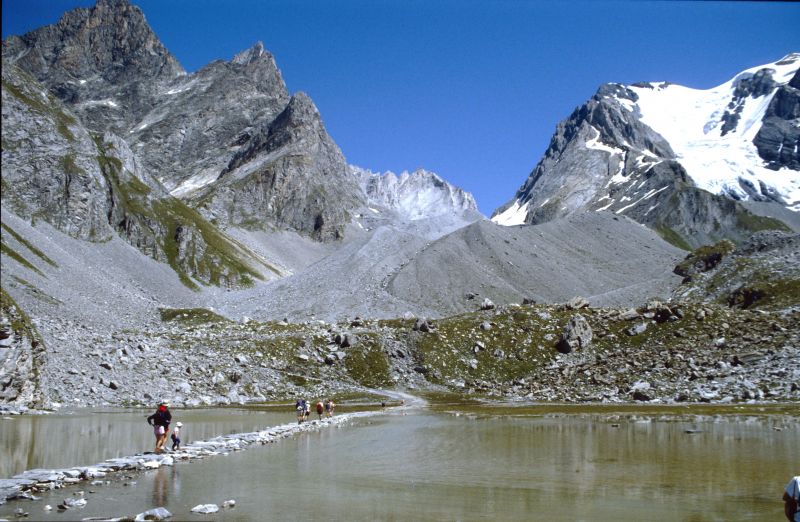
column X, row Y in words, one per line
column 290, row 173
column 198, row 122
column 92, row 186
column 105, row 61
column 50, row 170
column 778, row 139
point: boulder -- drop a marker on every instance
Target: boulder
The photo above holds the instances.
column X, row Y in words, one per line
column 577, row 334
column 158, row 513
column 628, row 315
column 421, row 325
column 487, row 304
column 636, row 329
column 576, row 303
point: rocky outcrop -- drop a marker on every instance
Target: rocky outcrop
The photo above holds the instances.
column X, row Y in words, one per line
column 577, row 334
column 21, row 354
column 50, row 167
column 778, row 140
column 290, row 174
column 761, row 273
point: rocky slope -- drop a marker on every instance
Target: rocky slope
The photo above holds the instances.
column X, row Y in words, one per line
column 658, row 352
column 760, row 273
column 611, row 260
column 92, row 187
column 676, row 159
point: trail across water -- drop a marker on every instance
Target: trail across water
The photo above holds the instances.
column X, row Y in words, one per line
column 26, row 485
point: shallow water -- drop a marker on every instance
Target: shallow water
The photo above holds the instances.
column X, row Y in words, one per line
column 435, row 465
column 85, row 437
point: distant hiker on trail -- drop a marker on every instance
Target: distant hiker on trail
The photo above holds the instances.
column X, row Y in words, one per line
column 176, row 436
column 300, row 406
column 791, row 498
column 160, row 422
column 320, row 409
column 328, row 407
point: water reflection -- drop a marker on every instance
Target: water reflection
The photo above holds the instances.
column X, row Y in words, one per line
column 428, row 466
column 86, row 437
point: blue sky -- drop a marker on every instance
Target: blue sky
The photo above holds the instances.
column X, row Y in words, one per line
column 471, row 90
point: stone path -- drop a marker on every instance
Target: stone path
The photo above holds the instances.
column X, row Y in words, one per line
column 25, row 485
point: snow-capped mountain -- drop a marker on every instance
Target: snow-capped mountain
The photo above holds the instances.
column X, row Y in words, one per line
column 418, row 195
column 713, row 132
column 674, row 158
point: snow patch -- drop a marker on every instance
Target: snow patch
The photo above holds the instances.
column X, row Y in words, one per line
column 513, row 215
column 595, row 144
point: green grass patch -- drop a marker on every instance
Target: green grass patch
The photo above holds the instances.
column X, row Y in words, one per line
column 671, row 237
column 705, row 258
column 30, row 247
column 514, row 346
column 10, row 252
column 60, row 118
column 191, row 316
column 753, row 223
column 366, row 362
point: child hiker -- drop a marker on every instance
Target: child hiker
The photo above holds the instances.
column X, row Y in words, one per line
column 176, row 436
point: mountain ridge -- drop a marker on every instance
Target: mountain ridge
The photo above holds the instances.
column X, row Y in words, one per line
column 611, row 154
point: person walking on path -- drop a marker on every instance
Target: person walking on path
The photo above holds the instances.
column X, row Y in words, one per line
column 328, row 404
column 300, row 406
column 791, row 498
column 320, row 409
column 176, row 436
column 160, row 422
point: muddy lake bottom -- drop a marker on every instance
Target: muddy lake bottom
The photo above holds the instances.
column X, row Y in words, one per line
column 449, row 460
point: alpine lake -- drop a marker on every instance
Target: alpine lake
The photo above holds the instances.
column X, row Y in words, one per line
column 437, row 457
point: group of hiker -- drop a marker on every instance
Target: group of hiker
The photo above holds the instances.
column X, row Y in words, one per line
column 303, row 409
column 162, row 418
column 160, row 422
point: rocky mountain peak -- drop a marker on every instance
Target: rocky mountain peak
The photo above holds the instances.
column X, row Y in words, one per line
column 112, row 39
column 250, row 55
column 674, row 158
column 417, row 195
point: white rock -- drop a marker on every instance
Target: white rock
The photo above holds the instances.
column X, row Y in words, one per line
column 205, row 508
column 229, row 503
column 158, row 513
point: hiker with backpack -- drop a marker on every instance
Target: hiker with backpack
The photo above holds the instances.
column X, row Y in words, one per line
column 160, row 422
column 320, row 409
column 302, row 410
